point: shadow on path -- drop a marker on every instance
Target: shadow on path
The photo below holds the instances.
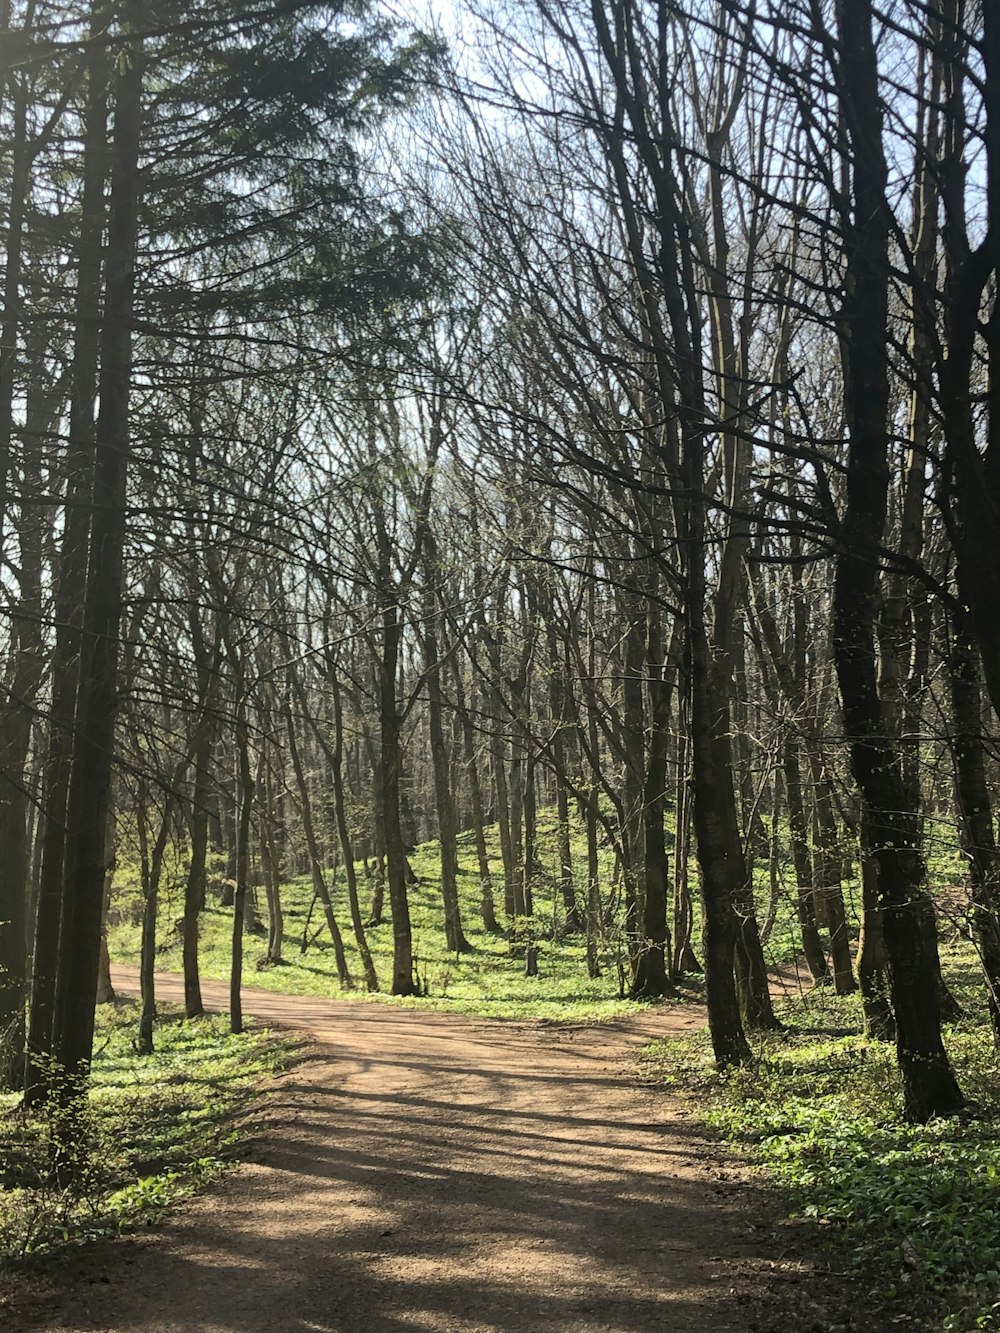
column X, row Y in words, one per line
column 423, row 1171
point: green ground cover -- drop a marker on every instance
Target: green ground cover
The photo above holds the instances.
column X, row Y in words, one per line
column 916, row 1205
column 154, row 1130
column 488, row 981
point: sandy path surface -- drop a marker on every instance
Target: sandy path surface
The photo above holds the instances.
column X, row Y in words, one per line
column 421, row 1171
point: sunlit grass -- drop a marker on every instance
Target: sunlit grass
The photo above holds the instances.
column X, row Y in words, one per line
column 489, row 981
column 916, row 1208
column 154, row 1129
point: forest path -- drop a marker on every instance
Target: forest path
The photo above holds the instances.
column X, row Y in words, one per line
column 424, row 1171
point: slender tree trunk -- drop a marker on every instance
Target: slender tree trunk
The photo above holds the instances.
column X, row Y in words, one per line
column 105, row 989
column 805, row 898
column 320, row 887
column 152, row 871
column 684, row 959
column 651, row 977
column 487, row 904
column 562, row 724
column 245, row 787
column 90, row 781
column 347, row 850
column 444, row 800
column 503, row 823
column 11, row 315
column 194, row 884
column 720, row 855
column 271, row 870
column 976, row 811
column 515, row 796
column 645, row 950
column 390, row 762
column 530, row 835
column 829, row 891
column 593, row 886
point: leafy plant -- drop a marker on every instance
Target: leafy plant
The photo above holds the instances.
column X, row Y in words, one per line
column 151, row 1131
column 917, row 1204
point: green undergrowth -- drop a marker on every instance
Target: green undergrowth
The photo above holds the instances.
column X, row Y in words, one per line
column 489, row 981
column 916, row 1205
column 154, row 1129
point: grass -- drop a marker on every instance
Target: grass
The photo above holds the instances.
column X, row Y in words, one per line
column 488, row 981
column 154, row 1130
column 918, row 1205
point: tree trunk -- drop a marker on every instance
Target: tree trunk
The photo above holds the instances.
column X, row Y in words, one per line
column 804, row 898
column 390, row 762
column 487, row 904
column 72, row 567
column 929, row 1085
column 593, row 887
column 503, row 824
column 244, row 810
column 651, row 976
column 194, row 884
column 347, row 850
column 444, row 800
column 271, row 870
column 105, row 989
column 684, row 959
column 976, row 811
column 561, row 722
column 873, row 960
column 320, row 888
column 826, row 869
column 93, row 748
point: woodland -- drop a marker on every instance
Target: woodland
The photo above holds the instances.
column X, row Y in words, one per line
column 499, row 510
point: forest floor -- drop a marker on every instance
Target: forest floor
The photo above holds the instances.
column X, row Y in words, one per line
column 418, row 1170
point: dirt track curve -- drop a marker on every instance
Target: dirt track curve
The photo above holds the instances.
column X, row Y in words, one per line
column 420, row 1171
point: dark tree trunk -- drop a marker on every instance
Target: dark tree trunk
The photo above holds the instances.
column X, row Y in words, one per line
column 487, row 904
column 976, row 810
column 390, row 762
column 652, row 972
column 320, row 888
column 152, row 871
column 271, row 869
column 93, row 747
column 804, row 898
column 245, row 787
column 645, row 950
column 562, row 724
column 194, row 884
column 444, row 800
column 593, row 887
column 72, row 567
column 929, row 1085
column 873, row 960
column 336, row 759
column 829, row 891
column 503, row 823
column 684, row 959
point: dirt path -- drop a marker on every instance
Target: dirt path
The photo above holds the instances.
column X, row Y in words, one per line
column 428, row 1172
